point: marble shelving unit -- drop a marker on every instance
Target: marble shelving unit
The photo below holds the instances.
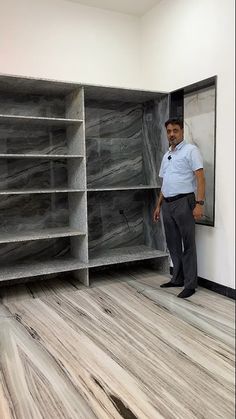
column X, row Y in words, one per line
column 78, row 177
column 43, row 209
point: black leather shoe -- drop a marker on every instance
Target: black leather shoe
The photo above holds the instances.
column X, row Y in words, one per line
column 186, row 293
column 171, row 284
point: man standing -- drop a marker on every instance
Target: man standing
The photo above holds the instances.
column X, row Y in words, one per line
column 183, row 176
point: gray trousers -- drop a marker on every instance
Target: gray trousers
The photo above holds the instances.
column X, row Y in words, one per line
column 179, row 226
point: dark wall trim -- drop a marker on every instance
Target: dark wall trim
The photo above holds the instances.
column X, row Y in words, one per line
column 213, row 286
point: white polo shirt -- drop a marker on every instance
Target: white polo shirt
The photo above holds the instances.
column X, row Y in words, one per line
column 178, row 171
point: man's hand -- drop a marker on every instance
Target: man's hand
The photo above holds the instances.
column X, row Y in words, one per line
column 198, row 212
column 156, row 214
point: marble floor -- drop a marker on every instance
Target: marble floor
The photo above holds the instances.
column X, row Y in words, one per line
column 124, row 348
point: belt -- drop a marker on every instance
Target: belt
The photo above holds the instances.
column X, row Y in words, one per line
column 174, row 198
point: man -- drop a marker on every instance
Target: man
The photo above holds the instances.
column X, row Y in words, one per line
column 183, row 176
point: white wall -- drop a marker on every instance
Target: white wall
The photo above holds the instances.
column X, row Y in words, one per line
column 67, row 41
column 184, row 41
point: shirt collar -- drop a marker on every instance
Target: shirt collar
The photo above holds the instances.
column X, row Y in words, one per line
column 179, row 146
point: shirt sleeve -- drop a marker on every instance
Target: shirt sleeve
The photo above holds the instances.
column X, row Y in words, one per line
column 196, row 160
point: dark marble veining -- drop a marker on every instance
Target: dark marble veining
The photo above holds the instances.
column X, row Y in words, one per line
column 114, row 144
column 125, row 142
column 32, row 105
column 154, row 141
column 118, row 219
column 22, row 213
column 107, row 227
column 11, row 253
column 114, row 162
column 23, row 140
column 35, row 173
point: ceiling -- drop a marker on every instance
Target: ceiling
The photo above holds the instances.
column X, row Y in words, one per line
column 134, row 7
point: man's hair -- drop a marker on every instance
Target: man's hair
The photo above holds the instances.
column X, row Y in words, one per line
column 175, row 121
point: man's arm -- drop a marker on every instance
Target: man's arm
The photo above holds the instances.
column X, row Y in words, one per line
column 198, row 211
column 156, row 214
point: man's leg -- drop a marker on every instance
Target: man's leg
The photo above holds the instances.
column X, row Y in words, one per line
column 174, row 244
column 183, row 215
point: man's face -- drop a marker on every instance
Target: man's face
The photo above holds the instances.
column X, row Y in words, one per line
column 174, row 134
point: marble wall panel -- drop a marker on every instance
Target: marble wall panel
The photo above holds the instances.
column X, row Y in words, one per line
column 32, row 105
column 23, row 140
column 33, row 173
column 107, row 228
column 199, row 129
column 154, row 140
column 114, row 162
column 125, row 142
column 21, row 213
column 114, row 144
column 33, row 251
column 113, row 119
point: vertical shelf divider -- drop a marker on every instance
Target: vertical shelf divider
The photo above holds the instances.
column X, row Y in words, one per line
column 77, row 178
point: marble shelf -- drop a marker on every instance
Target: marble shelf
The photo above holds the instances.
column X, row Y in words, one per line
column 39, row 191
column 123, row 254
column 35, row 120
column 124, row 188
column 31, row 85
column 49, row 233
column 31, row 269
column 42, row 156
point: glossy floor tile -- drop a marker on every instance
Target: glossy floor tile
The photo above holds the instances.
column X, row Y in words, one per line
column 124, row 348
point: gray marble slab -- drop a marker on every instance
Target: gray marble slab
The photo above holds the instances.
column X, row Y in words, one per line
column 20, row 214
column 33, row 120
column 124, row 254
column 39, row 191
column 75, row 104
column 33, row 174
column 125, row 142
column 113, row 144
column 32, row 105
column 40, row 156
column 33, row 250
column 119, row 94
column 77, row 204
column 154, row 141
column 37, row 86
column 39, row 234
column 33, row 140
column 124, row 188
column 107, row 227
column 75, row 135
column 76, row 172
column 46, row 267
column 112, row 162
